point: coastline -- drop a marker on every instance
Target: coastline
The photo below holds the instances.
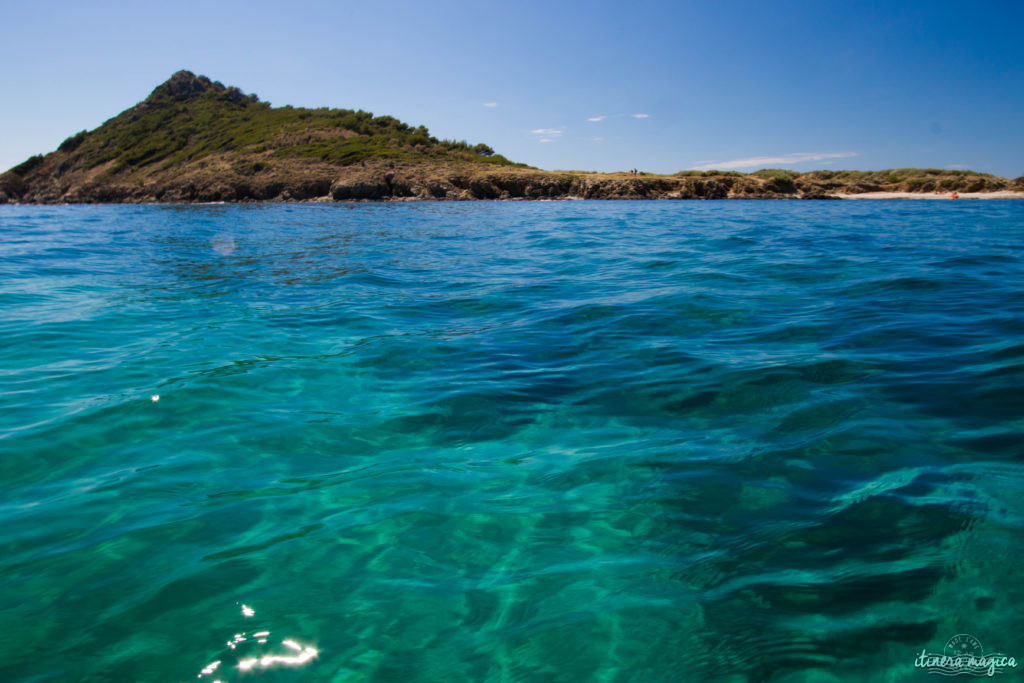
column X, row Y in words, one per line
column 214, row 179
column 998, row 194
column 873, row 196
column 327, row 199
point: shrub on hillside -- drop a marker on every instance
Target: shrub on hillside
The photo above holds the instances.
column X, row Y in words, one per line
column 27, row 165
column 776, row 173
column 72, row 143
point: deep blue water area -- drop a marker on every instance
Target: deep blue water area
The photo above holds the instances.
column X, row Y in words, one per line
column 521, row 441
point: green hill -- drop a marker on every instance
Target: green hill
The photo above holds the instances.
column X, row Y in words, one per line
column 190, row 117
column 190, row 124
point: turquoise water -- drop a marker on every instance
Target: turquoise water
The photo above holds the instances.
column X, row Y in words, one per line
column 556, row 441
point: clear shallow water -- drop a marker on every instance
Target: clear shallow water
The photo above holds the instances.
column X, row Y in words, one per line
column 566, row 441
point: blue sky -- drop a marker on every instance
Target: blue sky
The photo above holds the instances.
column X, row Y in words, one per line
column 659, row 86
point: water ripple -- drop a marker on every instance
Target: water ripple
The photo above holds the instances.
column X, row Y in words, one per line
column 619, row 441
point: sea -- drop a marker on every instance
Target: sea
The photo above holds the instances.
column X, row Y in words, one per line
column 512, row 441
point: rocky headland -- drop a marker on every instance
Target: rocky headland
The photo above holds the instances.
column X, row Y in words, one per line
column 196, row 140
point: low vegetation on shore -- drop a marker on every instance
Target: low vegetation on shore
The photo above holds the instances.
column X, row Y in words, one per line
column 196, row 140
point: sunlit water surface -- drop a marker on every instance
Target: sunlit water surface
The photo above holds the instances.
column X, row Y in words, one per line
column 545, row 441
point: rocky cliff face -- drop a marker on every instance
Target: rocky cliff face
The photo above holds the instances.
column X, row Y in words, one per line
column 527, row 184
column 381, row 181
column 227, row 180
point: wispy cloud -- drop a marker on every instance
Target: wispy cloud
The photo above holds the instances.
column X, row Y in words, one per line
column 764, row 162
column 547, row 134
column 490, row 104
column 602, row 117
column 958, row 167
column 597, row 139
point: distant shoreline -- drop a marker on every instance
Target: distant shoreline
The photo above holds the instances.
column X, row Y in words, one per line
column 216, row 178
column 873, row 196
column 999, row 194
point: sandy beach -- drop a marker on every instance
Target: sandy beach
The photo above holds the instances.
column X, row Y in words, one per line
column 1002, row 194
